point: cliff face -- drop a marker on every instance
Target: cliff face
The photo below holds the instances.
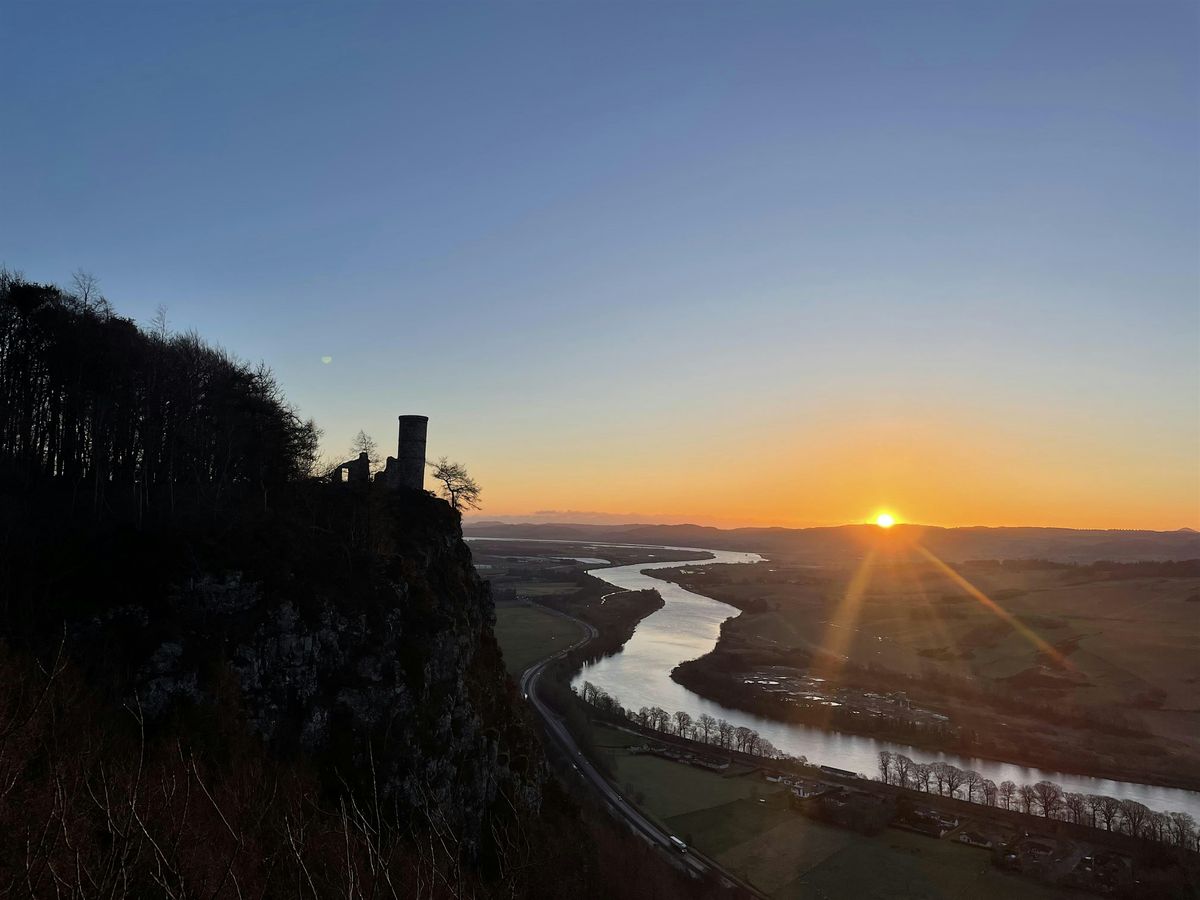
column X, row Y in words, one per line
column 386, row 672
column 320, row 709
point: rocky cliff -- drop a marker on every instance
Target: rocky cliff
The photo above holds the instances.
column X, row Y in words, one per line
column 372, row 655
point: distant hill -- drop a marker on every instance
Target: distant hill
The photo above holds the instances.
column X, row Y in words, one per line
column 851, row 541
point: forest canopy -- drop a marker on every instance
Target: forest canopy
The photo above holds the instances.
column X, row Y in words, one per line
column 123, row 415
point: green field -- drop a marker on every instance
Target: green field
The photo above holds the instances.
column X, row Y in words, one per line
column 544, row 588
column 788, row 855
column 749, row 827
column 666, row 789
column 529, row 633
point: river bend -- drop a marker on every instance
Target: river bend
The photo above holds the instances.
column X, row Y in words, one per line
column 688, row 626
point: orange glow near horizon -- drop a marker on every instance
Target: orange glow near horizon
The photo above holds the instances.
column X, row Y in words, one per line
column 885, row 520
column 941, row 473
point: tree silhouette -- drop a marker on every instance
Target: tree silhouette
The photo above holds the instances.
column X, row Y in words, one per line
column 364, row 443
column 121, row 416
column 458, row 487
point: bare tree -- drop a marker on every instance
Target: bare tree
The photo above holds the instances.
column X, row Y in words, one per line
column 1110, row 808
column 683, row 721
column 707, row 727
column 725, row 734
column 765, row 748
column 457, row 486
column 87, row 290
column 741, row 736
column 1159, row 825
column 1076, row 807
column 990, row 792
column 1008, row 790
column 754, row 743
column 903, row 767
column 1183, row 828
column 159, row 326
column 974, row 782
column 1027, row 797
column 364, row 443
column 921, row 773
column 955, row 778
column 938, row 771
column 660, row 719
column 885, row 766
column 1048, row 797
column 1134, row 816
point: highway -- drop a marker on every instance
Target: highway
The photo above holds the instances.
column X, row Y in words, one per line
column 696, row 863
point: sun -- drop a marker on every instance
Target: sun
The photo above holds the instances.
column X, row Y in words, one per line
column 885, row 520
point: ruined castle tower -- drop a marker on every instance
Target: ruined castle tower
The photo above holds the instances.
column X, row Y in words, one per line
column 409, row 468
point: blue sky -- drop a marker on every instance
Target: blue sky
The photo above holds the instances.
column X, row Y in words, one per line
column 657, row 246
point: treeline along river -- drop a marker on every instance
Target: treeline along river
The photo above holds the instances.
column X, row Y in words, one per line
column 688, row 626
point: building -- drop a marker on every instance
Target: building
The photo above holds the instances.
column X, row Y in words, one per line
column 404, row 470
column 355, row 471
column 407, row 468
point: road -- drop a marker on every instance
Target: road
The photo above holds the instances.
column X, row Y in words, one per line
column 696, row 863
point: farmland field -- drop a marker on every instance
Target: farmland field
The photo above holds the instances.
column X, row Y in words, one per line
column 529, row 633
column 1123, row 638
column 1115, row 653
column 748, row 826
column 667, row 789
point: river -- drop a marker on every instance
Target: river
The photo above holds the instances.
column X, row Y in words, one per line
column 688, row 626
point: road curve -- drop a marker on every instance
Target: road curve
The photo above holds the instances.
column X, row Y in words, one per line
column 696, row 863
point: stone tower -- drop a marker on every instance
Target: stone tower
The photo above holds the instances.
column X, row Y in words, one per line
column 409, row 468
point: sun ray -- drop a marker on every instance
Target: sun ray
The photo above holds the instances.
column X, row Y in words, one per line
column 932, row 626
column 840, row 629
column 1000, row 612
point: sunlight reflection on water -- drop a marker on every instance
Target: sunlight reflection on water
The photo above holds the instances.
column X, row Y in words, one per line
column 688, row 626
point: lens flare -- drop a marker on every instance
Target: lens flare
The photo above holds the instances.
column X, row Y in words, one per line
column 885, row 520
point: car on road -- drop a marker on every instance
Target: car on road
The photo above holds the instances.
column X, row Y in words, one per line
column 677, row 844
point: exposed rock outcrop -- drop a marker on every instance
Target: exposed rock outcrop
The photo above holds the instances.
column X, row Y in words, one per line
column 388, row 674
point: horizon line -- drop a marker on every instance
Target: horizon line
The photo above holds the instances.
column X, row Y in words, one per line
column 501, row 520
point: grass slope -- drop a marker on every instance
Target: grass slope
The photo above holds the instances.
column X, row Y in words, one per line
column 528, row 633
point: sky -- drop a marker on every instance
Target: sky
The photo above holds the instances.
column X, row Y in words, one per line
column 750, row 263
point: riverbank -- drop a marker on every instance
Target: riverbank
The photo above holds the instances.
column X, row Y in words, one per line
column 699, row 677
column 870, row 671
column 614, row 614
column 551, row 576
column 718, row 810
column 689, row 626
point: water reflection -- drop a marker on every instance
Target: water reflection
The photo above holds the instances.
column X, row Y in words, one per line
column 688, row 626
